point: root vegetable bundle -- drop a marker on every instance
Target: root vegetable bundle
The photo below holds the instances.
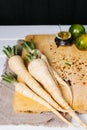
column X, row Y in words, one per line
column 41, row 81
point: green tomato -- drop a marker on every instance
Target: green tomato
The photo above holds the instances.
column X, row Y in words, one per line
column 81, row 42
column 76, row 30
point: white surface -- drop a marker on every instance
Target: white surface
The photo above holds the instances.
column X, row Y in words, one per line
column 26, row 127
column 16, row 32
column 8, row 36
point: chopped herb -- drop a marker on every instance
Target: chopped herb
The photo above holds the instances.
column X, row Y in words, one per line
column 68, row 63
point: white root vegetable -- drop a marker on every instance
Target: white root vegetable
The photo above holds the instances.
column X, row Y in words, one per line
column 58, row 78
column 40, row 71
column 17, row 66
column 27, row 92
column 24, row 90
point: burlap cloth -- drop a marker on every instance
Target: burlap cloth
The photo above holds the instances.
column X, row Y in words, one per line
column 8, row 115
